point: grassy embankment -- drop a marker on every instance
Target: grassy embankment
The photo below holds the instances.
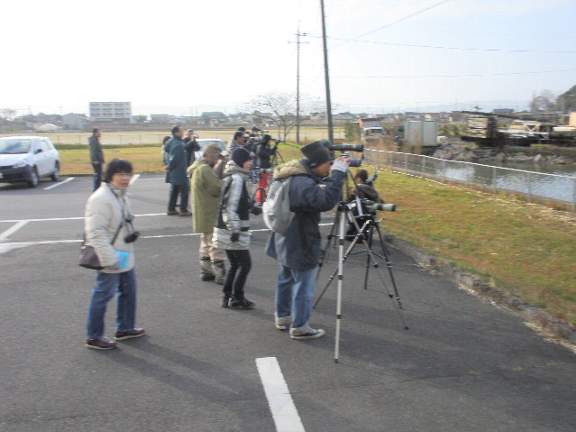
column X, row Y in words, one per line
column 528, row 249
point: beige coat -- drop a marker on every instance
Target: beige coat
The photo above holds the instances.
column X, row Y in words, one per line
column 105, row 210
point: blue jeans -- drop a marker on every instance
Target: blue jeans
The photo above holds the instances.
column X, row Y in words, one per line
column 294, row 294
column 107, row 285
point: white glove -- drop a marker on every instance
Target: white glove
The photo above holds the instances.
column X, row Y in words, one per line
column 341, row 164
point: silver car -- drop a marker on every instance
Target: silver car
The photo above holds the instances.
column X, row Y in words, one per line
column 28, row 159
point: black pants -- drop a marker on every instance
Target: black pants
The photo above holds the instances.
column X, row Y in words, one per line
column 240, row 265
column 184, row 192
column 97, row 175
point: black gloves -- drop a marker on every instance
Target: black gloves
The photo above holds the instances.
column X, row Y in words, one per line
column 256, row 210
column 235, row 237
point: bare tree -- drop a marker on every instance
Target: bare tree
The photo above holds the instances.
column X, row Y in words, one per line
column 544, row 102
column 8, row 113
column 277, row 109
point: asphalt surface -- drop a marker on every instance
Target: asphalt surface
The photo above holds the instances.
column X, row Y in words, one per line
column 463, row 365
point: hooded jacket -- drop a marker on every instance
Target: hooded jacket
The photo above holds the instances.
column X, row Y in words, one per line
column 234, row 211
column 205, row 189
column 309, row 195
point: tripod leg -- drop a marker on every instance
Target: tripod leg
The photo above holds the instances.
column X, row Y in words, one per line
column 368, row 258
column 342, row 234
column 325, row 252
column 396, row 295
column 390, row 272
column 335, row 273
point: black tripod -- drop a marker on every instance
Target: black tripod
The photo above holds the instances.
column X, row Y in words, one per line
column 363, row 235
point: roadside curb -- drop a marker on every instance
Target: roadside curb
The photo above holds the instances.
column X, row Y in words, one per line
column 536, row 318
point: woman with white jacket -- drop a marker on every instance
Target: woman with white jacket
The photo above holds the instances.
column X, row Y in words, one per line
column 109, row 230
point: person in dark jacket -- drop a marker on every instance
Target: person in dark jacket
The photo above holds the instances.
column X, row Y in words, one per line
column 191, row 146
column 176, row 166
column 264, row 153
column 232, row 231
column 298, row 252
column 96, row 156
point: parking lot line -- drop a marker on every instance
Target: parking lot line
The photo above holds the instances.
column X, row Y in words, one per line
column 284, row 412
column 55, row 185
column 72, row 218
column 134, row 178
column 13, row 229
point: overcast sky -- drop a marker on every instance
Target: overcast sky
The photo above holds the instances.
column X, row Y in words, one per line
column 187, row 56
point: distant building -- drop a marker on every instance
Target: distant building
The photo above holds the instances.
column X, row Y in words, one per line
column 139, row 119
column 162, row 118
column 504, row 111
column 75, row 121
column 110, row 111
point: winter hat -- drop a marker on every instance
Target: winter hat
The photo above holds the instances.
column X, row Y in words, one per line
column 240, row 155
column 317, row 153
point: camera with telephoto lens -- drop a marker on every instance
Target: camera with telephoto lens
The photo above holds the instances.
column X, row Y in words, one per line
column 346, row 149
column 362, row 207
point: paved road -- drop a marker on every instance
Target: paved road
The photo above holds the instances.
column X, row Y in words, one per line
column 463, row 365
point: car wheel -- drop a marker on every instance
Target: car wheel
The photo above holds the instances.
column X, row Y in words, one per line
column 56, row 174
column 34, row 179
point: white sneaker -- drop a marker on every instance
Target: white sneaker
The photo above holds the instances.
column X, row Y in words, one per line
column 282, row 323
column 306, row 332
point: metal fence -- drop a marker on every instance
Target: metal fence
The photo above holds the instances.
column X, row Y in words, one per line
column 535, row 186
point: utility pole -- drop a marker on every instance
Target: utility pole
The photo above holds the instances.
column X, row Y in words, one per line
column 298, row 42
column 327, row 77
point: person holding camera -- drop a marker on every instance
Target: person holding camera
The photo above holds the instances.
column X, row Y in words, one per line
column 264, row 153
column 109, row 230
column 298, row 251
column 206, row 184
column 232, row 232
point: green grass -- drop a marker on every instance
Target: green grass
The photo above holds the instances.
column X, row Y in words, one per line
column 527, row 249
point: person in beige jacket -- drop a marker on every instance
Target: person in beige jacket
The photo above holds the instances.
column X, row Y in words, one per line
column 109, row 230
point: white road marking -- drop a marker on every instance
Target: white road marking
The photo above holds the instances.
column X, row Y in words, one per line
column 55, row 185
column 12, row 230
column 284, row 412
column 134, row 179
column 72, row 218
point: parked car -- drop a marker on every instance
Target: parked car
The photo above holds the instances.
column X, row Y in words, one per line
column 28, row 159
column 203, row 143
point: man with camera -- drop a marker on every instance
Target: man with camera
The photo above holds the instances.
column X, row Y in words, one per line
column 109, row 230
column 298, row 250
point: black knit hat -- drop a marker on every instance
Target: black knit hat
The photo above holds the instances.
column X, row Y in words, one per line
column 240, row 155
column 317, row 152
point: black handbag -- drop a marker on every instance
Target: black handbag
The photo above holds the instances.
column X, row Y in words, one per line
column 88, row 257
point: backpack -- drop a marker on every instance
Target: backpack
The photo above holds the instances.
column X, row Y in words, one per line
column 276, row 208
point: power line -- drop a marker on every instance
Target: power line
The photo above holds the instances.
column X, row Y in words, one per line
column 468, row 75
column 404, row 18
column 442, row 47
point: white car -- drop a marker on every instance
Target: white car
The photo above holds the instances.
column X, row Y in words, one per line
column 28, row 159
column 203, row 143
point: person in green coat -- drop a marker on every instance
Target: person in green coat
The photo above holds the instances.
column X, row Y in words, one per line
column 205, row 184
